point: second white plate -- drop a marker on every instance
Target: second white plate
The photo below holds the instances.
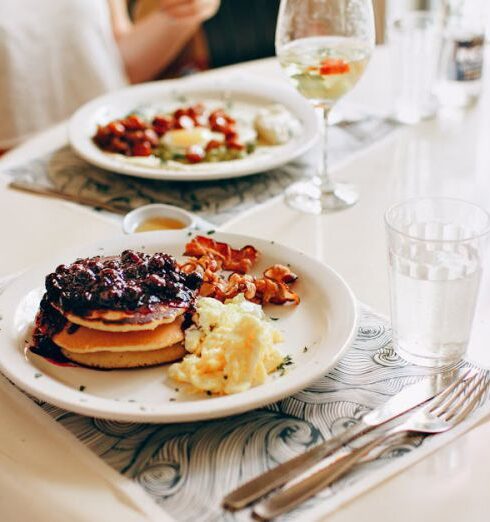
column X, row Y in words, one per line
column 83, row 125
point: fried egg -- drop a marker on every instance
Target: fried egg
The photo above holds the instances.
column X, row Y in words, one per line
column 179, row 140
column 232, row 347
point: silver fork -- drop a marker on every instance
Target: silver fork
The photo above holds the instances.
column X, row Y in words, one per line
column 440, row 414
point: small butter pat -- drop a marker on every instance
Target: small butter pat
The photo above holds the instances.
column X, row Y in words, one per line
column 232, row 347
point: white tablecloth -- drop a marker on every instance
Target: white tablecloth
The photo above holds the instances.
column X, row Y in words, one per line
column 41, row 478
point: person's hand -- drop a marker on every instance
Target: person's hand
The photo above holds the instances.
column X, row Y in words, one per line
column 199, row 10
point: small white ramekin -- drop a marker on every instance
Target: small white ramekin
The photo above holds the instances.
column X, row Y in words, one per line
column 139, row 215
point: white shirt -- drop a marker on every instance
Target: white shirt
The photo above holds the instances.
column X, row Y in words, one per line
column 54, row 56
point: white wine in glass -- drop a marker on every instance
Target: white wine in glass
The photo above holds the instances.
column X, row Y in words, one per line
column 324, row 46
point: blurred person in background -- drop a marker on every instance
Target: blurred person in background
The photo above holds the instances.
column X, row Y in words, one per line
column 57, row 54
column 241, row 30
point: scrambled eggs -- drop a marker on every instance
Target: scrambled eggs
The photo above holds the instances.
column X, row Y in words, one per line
column 232, row 347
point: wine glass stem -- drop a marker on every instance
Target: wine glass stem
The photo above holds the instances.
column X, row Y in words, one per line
column 324, row 180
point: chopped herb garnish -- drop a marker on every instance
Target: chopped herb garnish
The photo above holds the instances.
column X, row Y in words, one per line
column 189, row 233
column 250, row 147
column 210, row 232
column 287, row 361
column 82, row 387
column 37, row 375
column 136, row 112
column 274, row 318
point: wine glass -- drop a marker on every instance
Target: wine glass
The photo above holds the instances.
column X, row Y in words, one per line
column 324, row 46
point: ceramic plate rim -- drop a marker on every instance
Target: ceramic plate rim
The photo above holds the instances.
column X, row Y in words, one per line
column 107, row 408
column 284, row 94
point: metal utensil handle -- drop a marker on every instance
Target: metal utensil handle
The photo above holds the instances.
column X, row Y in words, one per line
column 276, row 477
column 290, row 497
column 444, row 411
column 408, row 398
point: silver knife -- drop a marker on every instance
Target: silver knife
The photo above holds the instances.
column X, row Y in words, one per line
column 410, row 397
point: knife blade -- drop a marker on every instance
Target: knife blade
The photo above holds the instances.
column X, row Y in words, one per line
column 410, row 397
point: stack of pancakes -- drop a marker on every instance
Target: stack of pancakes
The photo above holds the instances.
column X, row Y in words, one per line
column 122, row 311
column 112, row 339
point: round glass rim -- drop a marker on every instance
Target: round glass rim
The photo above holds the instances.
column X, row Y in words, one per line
column 479, row 235
column 410, row 21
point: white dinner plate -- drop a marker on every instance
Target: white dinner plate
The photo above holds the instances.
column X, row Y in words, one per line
column 316, row 334
column 236, row 88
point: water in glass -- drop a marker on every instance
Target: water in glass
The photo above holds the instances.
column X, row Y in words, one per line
column 435, row 257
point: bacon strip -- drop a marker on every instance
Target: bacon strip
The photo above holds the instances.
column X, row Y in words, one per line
column 209, row 257
column 207, row 267
column 229, row 258
column 261, row 290
column 280, row 274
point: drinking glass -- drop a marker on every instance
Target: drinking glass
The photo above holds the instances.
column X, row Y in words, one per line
column 435, row 247
column 323, row 47
column 415, row 42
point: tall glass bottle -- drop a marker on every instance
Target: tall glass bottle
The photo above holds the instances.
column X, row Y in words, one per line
column 460, row 65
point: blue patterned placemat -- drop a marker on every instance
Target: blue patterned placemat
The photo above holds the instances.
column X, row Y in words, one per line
column 215, row 201
column 187, row 468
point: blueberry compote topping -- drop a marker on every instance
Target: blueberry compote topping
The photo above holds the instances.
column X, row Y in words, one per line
column 48, row 323
column 131, row 281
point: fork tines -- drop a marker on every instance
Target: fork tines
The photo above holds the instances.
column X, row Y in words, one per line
column 457, row 401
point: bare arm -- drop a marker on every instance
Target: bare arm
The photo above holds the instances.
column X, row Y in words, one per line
column 152, row 43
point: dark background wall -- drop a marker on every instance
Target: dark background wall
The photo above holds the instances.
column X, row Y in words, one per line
column 242, row 30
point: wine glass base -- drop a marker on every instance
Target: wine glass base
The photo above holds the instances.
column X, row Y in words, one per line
column 307, row 197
